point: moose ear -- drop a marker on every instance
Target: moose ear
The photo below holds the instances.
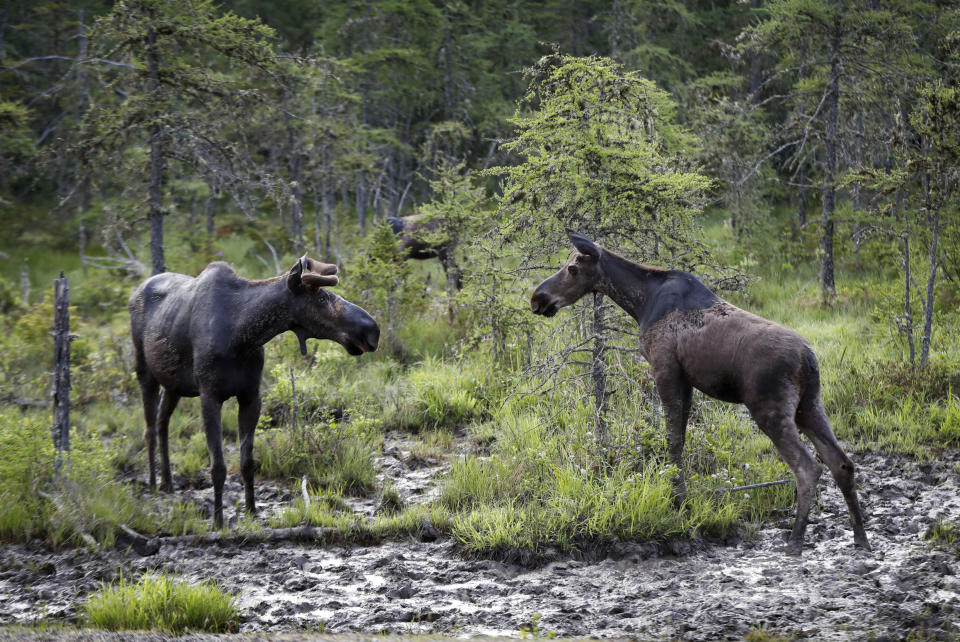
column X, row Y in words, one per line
column 294, row 278
column 584, row 245
column 315, row 281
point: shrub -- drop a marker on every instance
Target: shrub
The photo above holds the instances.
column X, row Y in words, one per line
column 26, row 459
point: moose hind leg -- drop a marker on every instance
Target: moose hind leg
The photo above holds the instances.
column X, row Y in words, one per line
column 211, row 407
column 815, row 425
column 150, row 392
column 168, row 403
column 781, row 429
column 676, row 395
column 247, row 416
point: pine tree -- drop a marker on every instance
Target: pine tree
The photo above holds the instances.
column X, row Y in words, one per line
column 177, row 80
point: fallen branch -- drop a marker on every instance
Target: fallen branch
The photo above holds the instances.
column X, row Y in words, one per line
column 142, row 544
column 294, row 534
column 779, row 482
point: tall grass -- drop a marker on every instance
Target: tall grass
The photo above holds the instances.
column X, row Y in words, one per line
column 548, row 483
column 161, row 603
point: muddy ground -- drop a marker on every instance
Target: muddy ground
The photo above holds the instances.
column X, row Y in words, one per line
column 686, row 590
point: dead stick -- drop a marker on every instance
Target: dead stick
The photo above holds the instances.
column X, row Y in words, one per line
column 294, row 534
column 751, row 486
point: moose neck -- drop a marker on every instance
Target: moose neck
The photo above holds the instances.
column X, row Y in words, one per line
column 629, row 284
column 264, row 311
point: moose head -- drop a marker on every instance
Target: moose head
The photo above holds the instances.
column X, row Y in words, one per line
column 318, row 313
column 580, row 275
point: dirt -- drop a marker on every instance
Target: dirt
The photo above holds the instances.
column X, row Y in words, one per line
column 687, row 590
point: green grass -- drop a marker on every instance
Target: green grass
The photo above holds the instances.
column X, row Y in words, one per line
column 329, row 455
column 945, row 534
column 162, row 603
column 534, row 476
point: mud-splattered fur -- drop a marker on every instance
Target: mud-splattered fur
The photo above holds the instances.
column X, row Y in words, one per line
column 694, row 339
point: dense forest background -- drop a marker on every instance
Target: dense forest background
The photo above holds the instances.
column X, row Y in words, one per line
column 800, row 156
column 279, row 118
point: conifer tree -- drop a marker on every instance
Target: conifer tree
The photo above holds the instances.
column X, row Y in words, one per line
column 175, row 92
column 601, row 155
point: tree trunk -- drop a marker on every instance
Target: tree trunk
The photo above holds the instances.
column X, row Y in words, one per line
column 928, row 304
column 211, row 206
column 598, row 368
column 827, row 285
column 156, row 161
column 61, row 369
column 754, row 65
column 83, row 191
column 362, row 205
column 858, row 161
column 907, row 315
column 296, row 200
column 4, row 20
column 803, row 196
column 449, row 91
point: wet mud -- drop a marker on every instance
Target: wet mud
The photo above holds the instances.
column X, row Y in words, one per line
column 687, row 590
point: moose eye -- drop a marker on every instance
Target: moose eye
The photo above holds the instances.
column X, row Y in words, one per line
column 572, row 269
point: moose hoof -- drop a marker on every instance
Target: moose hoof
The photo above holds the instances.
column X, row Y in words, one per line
column 862, row 543
column 794, row 549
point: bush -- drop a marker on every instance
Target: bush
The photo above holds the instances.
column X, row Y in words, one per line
column 26, row 456
column 84, row 501
column 437, row 394
column 160, row 603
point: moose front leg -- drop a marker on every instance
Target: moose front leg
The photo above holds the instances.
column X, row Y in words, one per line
column 247, row 416
column 210, row 408
column 675, row 395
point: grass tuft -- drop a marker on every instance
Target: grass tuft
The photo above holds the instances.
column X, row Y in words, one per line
column 161, row 603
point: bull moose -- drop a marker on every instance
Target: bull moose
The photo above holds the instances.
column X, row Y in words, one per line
column 204, row 337
column 694, row 339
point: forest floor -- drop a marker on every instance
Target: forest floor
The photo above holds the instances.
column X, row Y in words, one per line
column 682, row 589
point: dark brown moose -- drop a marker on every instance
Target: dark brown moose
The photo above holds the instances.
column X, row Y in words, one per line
column 204, row 337
column 412, row 230
column 694, row 339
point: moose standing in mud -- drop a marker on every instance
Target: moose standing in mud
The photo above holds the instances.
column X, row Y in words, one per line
column 204, row 337
column 694, row 339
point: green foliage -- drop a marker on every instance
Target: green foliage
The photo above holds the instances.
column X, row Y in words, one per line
column 335, row 455
column 603, row 154
column 26, row 456
column 16, row 141
column 546, row 483
column 945, row 534
column 434, row 394
column 165, row 604
column 381, row 281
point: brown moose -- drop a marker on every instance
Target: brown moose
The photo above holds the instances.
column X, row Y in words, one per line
column 412, row 231
column 694, row 339
column 204, row 337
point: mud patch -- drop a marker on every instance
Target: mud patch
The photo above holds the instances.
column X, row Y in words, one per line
column 833, row 592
